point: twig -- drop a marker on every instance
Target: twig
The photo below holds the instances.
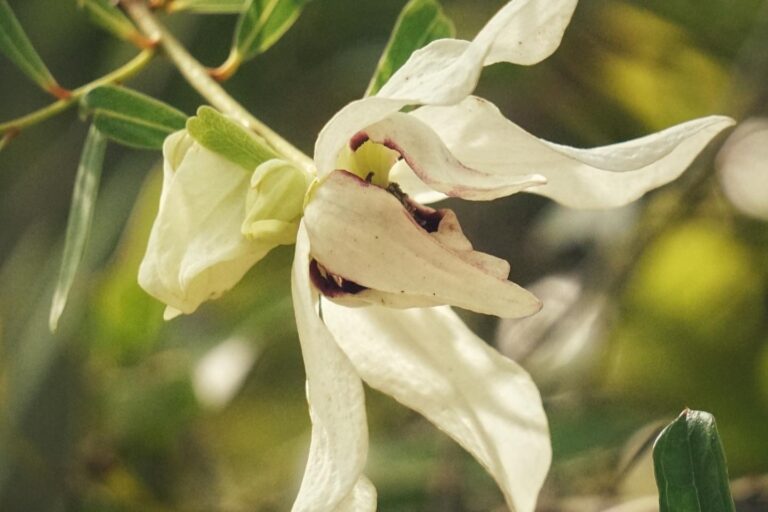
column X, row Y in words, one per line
column 198, row 77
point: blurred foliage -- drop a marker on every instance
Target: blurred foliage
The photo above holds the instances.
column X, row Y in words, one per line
column 103, row 415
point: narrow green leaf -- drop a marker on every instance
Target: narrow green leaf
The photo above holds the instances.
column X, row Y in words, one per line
column 15, row 44
column 420, row 22
column 690, row 467
column 80, row 218
column 208, row 6
column 105, row 14
column 226, row 137
column 132, row 118
column 130, row 131
column 260, row 25
column 263, row 23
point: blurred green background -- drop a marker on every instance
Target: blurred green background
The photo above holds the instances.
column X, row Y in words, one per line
column 666, row 300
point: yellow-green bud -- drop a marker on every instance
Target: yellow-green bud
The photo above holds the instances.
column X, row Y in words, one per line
column 274, row 203
column 370, row 161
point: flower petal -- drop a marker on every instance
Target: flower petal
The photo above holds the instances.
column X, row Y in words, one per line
column 428, row 360
column 363, row 234
column 429, row 158
column 339, row 445
column 419, row 191
column 196, row 251
column 479, row 136
column 447, row 70
column 361, row 499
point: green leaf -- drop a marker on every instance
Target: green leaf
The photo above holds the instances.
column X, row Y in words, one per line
column 263, row 23
column 80, row 218
column 226, row 137
column 15, row 44
column 132, row 118
column 420, row 22
column 106, row 14
column 209, row 6
column 260, row 26
column 690, row 467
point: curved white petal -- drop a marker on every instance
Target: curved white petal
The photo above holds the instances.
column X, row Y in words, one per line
column 479, row 136
column 361, row 499
column 403, row 175
column 363, row 234
column 429, row 158
column 196, row 251
column 430, row 361
column 339, row 445
column 527, row 32
column 447, row 70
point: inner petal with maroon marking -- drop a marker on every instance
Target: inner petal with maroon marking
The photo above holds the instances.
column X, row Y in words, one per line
column 373, row 244
column 368, row 160
column 371, row 162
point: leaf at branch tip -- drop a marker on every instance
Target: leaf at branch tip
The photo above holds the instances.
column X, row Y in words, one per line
column 691, row 473
column 260, row 26
column 80, row 217
column 105, row 14
column 132, row 118
column 15, row 44
column 420, row 23
column 208, row 6
column 228, row 138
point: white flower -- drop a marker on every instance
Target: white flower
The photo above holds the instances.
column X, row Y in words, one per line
column 364, row 242
column 214, row 222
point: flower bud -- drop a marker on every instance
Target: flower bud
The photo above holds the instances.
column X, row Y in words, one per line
column 199, row 246
column 273, row 205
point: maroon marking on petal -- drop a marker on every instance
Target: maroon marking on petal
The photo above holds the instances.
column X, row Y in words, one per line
column 416, row 168
column 358, row 140
column 427, row 218
column 329, row 284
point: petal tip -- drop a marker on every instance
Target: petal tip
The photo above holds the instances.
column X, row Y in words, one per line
column 170, row 313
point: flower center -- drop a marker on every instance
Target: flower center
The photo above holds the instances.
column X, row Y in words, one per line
column 368, row 160
column 372, row 162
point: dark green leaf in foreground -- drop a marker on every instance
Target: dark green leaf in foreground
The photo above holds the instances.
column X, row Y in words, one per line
column 208, row 6
column 80, row 218
column 106, row 14
column 690, row 467
column 228, row 138
column 15, row 44
column 132, row 118
column 420, row 22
